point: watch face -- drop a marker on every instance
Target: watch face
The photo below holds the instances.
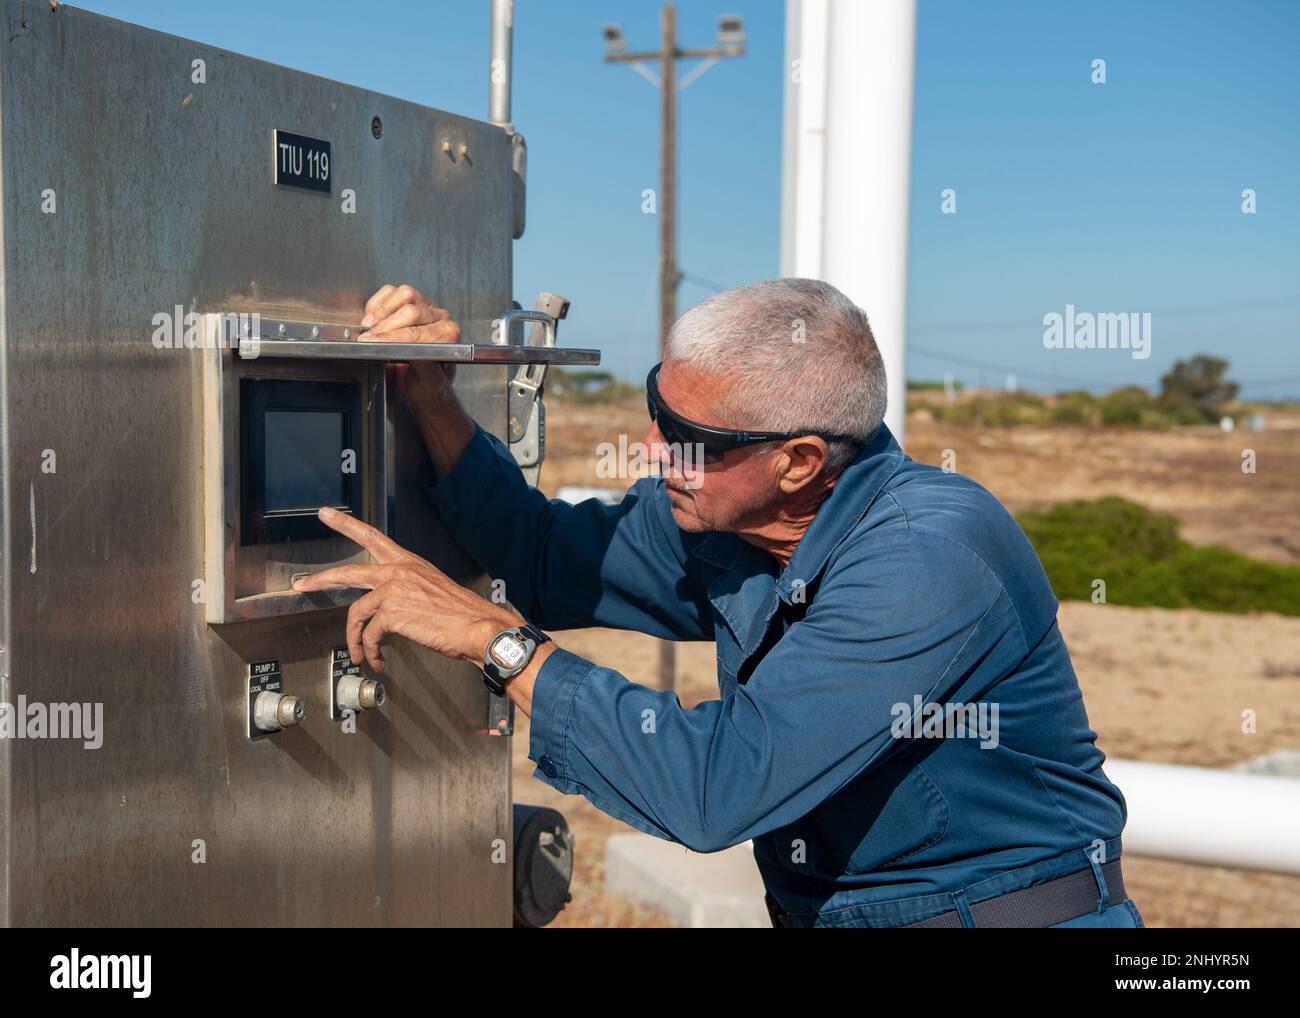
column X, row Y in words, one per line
column 508, row 652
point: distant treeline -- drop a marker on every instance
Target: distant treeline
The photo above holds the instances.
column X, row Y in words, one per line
column 584, row 385
column 1195, row 391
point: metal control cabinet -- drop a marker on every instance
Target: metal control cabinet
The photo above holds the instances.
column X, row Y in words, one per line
column 138, row 179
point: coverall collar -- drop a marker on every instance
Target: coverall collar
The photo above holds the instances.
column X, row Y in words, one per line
column 848, row 501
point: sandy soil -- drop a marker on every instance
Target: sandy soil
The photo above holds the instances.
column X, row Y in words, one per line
column 1160, row 685
column 1194, row 473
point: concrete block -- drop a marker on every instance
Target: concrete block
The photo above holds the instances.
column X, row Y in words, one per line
column 721, row 889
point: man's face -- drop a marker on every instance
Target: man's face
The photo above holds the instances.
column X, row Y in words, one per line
column 737, row 494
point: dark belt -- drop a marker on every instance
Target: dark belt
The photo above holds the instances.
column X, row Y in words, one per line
column 1042, row 905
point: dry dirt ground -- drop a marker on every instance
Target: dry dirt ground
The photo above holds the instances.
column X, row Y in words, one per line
column 1160, row 685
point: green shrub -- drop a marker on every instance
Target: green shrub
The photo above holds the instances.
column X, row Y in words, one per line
column 1180, row 412
column 1144, row 562
column 1131, row 406
column 1198, row 386
column 922, row 385
column 589, row 386
column 1127, row 407
column 1075, row 407
column 995, row 411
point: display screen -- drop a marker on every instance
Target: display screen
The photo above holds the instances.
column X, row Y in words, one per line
column 304, row 465
column 294, row 437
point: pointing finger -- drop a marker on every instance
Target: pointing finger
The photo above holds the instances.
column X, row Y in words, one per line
column 383, row 548
column 363, row 576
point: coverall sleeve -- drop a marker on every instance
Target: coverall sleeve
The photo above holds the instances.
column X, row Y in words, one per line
column 568, row 566
column 894, row 619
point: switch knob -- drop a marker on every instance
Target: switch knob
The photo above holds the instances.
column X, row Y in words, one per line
column 356, row 693
column 273, row 712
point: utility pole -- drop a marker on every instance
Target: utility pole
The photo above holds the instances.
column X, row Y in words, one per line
column 731, row 43
column 668, row 275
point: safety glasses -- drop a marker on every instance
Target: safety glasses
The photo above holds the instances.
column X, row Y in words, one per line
column 700, row 441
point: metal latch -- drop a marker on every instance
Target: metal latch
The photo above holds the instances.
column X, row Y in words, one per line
column 527, row 411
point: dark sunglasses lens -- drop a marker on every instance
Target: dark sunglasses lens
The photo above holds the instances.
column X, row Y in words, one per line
column 684, row 441
column 692, row 449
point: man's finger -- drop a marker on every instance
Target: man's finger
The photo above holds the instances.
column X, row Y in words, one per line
column 382, row 547
column 438, row 332
column 407, row 314
column 362, row 576
column 358, row 615
column 370, row 641
column 376, row 301
column 421, row 313
column 390, row 302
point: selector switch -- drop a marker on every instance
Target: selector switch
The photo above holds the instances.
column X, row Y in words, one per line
column 356, row 693
column 351, row 691
column 270, row 709
column 273, row 712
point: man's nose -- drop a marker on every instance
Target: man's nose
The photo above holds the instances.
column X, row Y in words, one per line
column 657, row 451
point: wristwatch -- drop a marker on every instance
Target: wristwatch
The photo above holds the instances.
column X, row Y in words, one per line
column 508, row 654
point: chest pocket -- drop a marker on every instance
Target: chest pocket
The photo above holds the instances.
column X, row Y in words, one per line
column 742, row 597
column 884, row 817
column 728, row 653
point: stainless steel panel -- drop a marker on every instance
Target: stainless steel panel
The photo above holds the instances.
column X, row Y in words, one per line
column 164, row 197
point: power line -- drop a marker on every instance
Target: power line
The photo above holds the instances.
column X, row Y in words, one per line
column 708, row 284
column 1271, row 383
column 971, row 362
column 1056, row 379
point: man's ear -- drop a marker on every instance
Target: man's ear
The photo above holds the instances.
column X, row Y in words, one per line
column 802, row 461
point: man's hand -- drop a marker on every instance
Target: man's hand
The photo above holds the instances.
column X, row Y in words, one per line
column 408, row 597
column 401, row 314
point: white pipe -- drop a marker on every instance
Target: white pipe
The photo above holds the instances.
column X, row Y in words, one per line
column 804, row 138
column 499, row 67
column 1216, row 817
column 846, row 174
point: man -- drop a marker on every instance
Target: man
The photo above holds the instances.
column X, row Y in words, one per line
column 900, row 731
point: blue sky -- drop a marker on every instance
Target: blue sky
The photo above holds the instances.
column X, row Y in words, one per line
column 1122, row 197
